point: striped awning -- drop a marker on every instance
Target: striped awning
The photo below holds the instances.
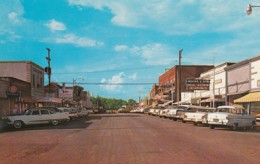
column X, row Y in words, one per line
column 251, row 97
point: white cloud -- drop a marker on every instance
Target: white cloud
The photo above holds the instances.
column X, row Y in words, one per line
column 78, row 41
column 14, row 18
column 119, row 48
column 116, row 79
column 133, row 76
column 151, row 54
column 54, row 25
column 175, row 16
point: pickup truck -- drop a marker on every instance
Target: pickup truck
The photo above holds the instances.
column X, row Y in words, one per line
column 232, row 117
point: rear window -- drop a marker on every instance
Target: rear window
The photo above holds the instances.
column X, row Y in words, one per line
column 231, row 110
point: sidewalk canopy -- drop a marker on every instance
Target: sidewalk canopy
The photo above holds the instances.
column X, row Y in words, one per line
column 251, row 97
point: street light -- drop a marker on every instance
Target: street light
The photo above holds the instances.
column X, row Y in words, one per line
column 249, row 8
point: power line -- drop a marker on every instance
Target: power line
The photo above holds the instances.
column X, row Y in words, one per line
column 109, row 83
column 116, row 70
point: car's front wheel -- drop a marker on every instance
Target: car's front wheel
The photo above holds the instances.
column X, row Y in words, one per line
column 211, row 126
column 253, row 126
column 18, row 124
column 54, row 122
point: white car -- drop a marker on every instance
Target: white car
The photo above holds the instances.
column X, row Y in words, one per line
column 34, row 116
column 175, row 112
column 230, row 116
column 151, row 111
column 83, row 112
column 196, row 114
column 163, row 113
column 72, row 113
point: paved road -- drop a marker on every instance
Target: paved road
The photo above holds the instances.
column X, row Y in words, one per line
column 128, row 138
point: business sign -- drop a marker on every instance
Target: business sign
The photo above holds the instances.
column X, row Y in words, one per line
column 13, row 92
column 66, row 93
column 197, row 84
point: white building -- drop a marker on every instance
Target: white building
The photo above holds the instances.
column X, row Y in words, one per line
column 216, row 95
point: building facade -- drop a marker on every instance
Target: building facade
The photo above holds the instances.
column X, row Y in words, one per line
column 216, row 95
column 173, row 81
column 250, row 83
column 15, row 96
column 26, row 71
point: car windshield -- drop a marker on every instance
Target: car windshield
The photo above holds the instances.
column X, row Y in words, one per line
column 231, row 110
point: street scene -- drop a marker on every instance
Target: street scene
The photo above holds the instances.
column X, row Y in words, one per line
column 128, row 138
column 129, row 81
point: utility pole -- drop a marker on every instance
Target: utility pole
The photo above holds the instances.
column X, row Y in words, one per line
column 214, row 74
column 48, row 69
column 179, row 77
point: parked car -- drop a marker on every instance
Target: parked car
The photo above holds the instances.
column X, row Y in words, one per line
column 62, row 115
column 90, row 111
column 232, row 117
column 73, row 112
column 175, row 113
column 163, row 113
column 151, row 111
column 170, row 113
column 196, row 114
column 82, row 112
column 34, row 116
column 157, row 111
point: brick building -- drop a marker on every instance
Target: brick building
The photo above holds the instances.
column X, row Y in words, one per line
column 15, row 96
column 168, row 82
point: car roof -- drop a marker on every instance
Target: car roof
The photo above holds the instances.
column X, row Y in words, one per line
column 230, row 107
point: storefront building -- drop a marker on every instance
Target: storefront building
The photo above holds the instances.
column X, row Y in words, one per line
column 15, row 96
column 173, row 81
column 237, row 81
column 251, row 101
column 216, row 95
column 26, row 71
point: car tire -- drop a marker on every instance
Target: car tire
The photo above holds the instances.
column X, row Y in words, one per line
column 54, row 122
column 183, row 121
column 195, row 123
column 253, row 126
column 211, row 126
column 234, row 127
column 18, row 124
column 174, row 119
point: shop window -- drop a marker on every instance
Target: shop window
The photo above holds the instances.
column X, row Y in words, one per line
column 258, row 83
column 255, row 108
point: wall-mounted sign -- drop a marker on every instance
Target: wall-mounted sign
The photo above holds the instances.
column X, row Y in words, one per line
column 197, row 84
column 13, row 91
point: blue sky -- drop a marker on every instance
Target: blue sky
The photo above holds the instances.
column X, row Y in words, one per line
column 126, row 41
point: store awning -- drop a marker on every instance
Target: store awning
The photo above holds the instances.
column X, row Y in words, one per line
column 251, row 97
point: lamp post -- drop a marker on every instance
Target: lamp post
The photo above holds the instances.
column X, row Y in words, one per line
column 249, row 8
